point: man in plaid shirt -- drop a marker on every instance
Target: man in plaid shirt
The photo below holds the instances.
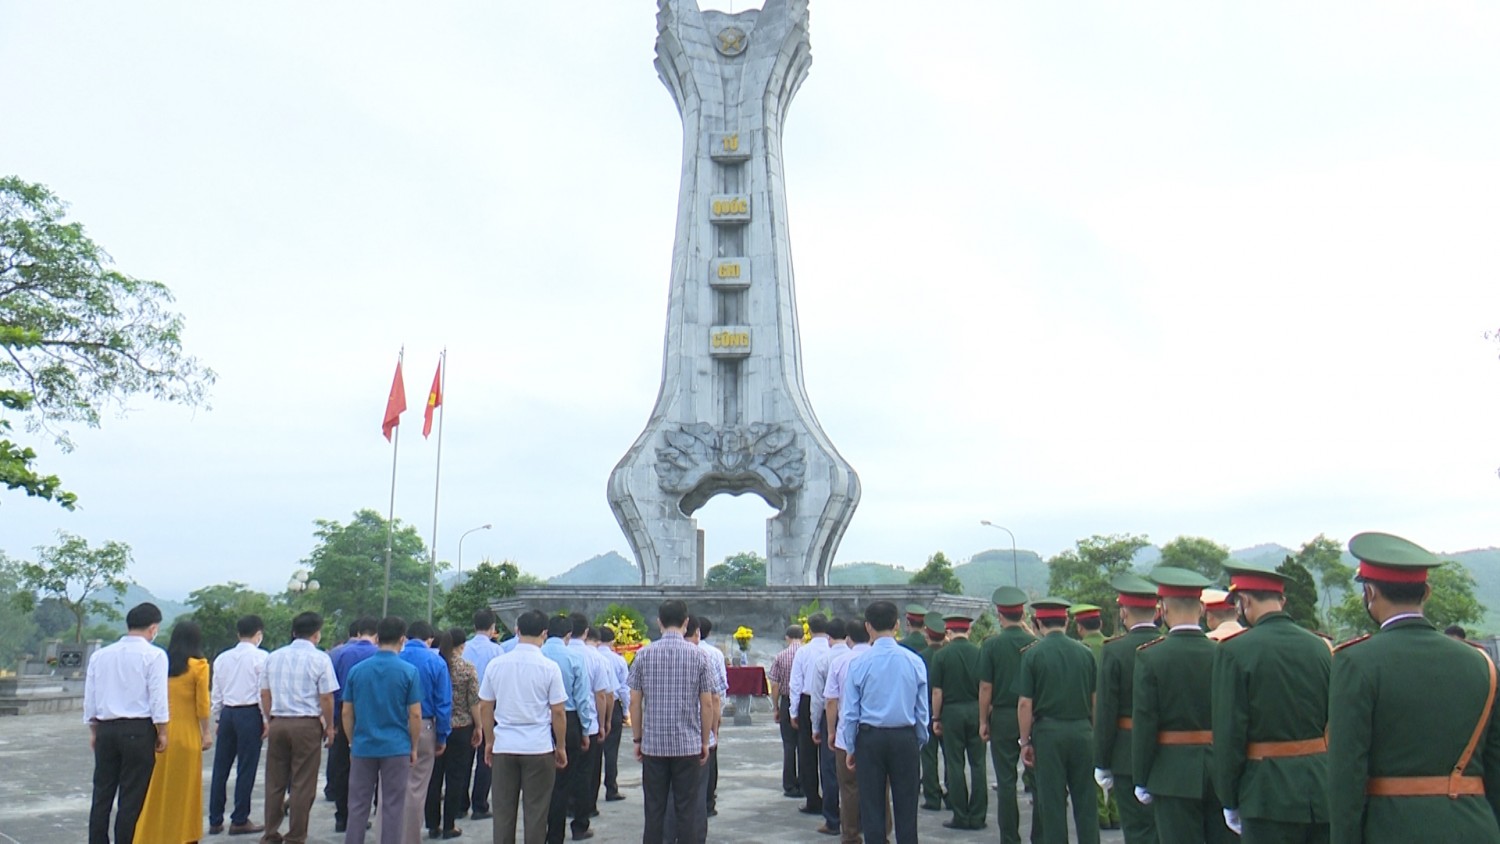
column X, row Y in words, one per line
column 670, row 717
column 778, row 678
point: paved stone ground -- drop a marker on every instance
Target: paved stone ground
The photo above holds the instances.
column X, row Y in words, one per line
column 45, row 771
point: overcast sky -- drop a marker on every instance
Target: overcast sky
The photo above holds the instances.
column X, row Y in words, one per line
column 1168, row 268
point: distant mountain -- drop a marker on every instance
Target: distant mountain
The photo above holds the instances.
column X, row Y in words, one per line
column 868, row 574
column 987, row 570
column 609, row 569
column 138, row 594
column 1266, row 554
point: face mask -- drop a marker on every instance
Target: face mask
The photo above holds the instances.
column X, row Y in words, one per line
column 1367, row 600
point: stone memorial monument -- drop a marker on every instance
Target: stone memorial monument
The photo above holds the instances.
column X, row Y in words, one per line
column 733, row 414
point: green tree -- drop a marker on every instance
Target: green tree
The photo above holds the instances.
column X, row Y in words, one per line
column 78, row 337
column 1196, row 554
column 217, row 609
column 77, row 577
column 746, row 568
column 1453, row 601
column 1324, row 558
column 480, row 586
column 19, row 633
column 1301, row 594
column 349, row 565
column 1082, row 574
column 939, row 572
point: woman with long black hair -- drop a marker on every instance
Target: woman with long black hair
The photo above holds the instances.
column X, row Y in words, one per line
column 173, row 813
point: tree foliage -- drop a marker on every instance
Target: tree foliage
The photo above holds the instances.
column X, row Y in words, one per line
column 939, row 572
column 1324, row 558
column 76, row 337
column 217, row 608
column 1082, row 574
column 349, row 565
column 1196, row 554
column 486, row 582
column 77, row 577
column 746, row 568
column 1301, row 594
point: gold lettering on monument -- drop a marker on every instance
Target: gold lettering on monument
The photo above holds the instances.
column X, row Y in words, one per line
column 732, row 143
column 729, row 207
column 729, row 270
column 730, row 340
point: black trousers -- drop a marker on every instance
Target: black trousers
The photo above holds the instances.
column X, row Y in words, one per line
column 789, row 783
column 713, row 775
column 338, row 772
column 888, row 757
column 448, row 789
column 480, row 797
column 612, row 752
column 124, row 755
column 563, row 787
column 679, row 776
column 807, row 757
column 585, row 785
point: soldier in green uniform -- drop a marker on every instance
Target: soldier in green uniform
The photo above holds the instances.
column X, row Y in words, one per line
column 999, row 663
column 1172, row 718
column 936, row 633
column 1413, row 741
column 954, row 680
column 1270, row 686
column 916, row 625
column 1055, row 691
column 1088, row 622
column 1112, row 716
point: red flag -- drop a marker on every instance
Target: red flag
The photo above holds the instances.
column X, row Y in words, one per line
column 395, row 405
column 434, row 400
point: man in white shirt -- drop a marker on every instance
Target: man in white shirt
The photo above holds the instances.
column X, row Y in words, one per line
column 296, row 691
column 621, row 668
column 799, row 704
column 716, row 662
column 235, row 703
column 817, row 679
column 601, row 683
column 524, row 731
column 125, row 706
column 478, row 651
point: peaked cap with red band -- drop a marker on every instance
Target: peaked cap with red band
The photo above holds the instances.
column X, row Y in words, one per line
column 957, row 623
column 1085, row 611
column 1051, row 608
column 1243, row 577
column 1216, row 600
column 1135, row 591
column 1391, row 559
column 1008, row 599
column 1173, row 582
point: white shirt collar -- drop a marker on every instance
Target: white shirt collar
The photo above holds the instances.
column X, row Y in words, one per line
column 1398, row 617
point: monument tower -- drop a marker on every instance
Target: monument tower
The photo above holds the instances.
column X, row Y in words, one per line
column 733, row 414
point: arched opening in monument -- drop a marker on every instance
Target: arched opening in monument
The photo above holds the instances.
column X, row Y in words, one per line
column 732, row 524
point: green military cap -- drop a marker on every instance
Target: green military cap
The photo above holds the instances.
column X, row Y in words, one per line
column 1391, row 559
column 1173, row 582
column 1008, row 597
column 915, row 611
column 934, row 623
column 1051, row 607
column 1086, row 611
column 1135, row 591
column 957, row 622
column 1243, row 576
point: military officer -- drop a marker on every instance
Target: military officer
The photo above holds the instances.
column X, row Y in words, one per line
column 1270, row 714
column 1223, row 617
column 1413, row 744
column 1172, row 714
column 935, row 632
column 1055, row 691
column 1089, row 623
column 1112, row 718
column 955, row 719
column 916, row 627
column 999, row 663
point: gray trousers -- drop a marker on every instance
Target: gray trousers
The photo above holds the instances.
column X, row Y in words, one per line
column 416, row 784
column 392, row 772
column 524, row 781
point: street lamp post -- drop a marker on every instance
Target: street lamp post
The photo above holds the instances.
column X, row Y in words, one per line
column 1015, row 568
column 461, row 546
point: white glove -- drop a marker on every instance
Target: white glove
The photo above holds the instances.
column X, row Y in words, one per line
column 1142, row 796
column 1232, row 820
column 1105, row 778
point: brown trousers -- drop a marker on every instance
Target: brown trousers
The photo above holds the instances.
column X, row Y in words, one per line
column 522, row 782
column 294, row 748
column 849, row 802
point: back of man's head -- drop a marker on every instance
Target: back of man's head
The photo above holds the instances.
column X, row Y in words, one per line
column 705, row 626
column 306, row 625
column 1090, row 624
column 793, row 632
column 817, row 623
column 606, row 634
column 854, row 628
column 690, row 627
column 672, row 613
column 389, row 630
column 248, row 626
column 580, row 624
column 531, row 624
column 420, row 631
column 882, row 616
column 484, row 620
column 559, row 626
column 142, row 616
column 836, row 628
column 367, row 625
column 353, row 629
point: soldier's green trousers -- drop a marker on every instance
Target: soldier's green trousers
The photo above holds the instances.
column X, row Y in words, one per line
column 932, row 787
column 1188, row 820
column 1006, row 754
column 1260, row 831
column 1064, row 769
column 1136, row 821
column 969, row 796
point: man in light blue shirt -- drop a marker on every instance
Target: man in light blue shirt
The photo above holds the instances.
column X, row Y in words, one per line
column 478, row 651
column 617, row 717
column 580, row 712
column 883, row 725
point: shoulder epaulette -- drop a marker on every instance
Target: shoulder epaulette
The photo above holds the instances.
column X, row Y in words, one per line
column 1028, row 646
column 1239, row 632
column 1356, row 640
column 1477, row 646
column 1114, row 638
column 1157, row 641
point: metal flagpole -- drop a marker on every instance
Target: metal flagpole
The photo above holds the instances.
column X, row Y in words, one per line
column 390, row 525
column 438, row 476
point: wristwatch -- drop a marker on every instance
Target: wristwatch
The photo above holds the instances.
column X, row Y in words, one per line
column 1023, row 742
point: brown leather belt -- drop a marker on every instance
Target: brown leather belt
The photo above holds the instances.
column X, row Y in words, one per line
column 1124, row 723
column 1185, row 737
column 1452, row 786
column 1256, row 750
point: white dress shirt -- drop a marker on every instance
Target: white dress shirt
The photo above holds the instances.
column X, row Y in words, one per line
column 126, row 680
column 715, row 659
column 621, row 670
column 838, row 678
column 236, row 677
column 297, row 675
column 523, row 715
column 817, row 679
column 601, row 679
column 807, row 655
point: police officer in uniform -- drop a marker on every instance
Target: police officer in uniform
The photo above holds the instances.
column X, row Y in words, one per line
column 1270, row 715
column 1056, row 700
column 955, row 720
column 916, row 626
column 999, row 663
column 1112, row 717
column 1089, row 622
column 1172, row 716
column 936, row 634
column 1413, row 741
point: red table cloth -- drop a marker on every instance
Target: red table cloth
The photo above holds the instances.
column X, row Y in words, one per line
column 750, row 680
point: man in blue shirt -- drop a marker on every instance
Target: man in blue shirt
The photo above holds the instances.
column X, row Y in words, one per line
column 883, row 724
column 360, row 647
column 382, row 714
column 579, row 706
column 478, row 651
column 437, row 719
